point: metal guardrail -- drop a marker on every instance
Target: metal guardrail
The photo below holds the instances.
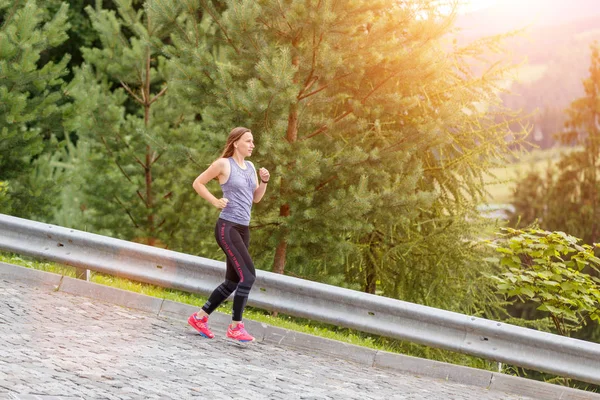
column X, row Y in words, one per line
column 392, row 318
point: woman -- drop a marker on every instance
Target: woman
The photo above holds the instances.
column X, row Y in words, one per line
column 240, row 189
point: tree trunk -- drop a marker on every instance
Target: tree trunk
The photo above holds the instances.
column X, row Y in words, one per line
column 149, row 197
column 284, row 211
column 148, row 167
column 279, row 262
column 371, row 266
column 370, row 278
column 281, row 250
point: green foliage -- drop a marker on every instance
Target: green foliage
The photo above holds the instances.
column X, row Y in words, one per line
column 81, row 33
column 376, row 133
column 36, row 192
column 135, row 133
column 429, row 267
column 547, row 268
column 4, row 199
column 30, row 98
column 65, row 167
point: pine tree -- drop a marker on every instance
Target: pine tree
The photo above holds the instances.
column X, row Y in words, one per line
column 361, row 113
column 135, row 131
column 459, row 131
column 30, row 99
column 81, row 33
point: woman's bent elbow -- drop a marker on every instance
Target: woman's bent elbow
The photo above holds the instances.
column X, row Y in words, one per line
column 197, row 186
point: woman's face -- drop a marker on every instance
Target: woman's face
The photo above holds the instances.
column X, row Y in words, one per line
column 245, row 144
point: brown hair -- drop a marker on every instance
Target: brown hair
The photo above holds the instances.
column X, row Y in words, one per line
column 234, row 136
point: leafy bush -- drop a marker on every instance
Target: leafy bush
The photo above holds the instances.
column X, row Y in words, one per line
column 548, row 268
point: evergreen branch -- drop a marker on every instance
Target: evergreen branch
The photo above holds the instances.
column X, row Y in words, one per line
column 323, row 184
column 155, row 159
column 12, row 14
column 254, row 44
column 312, row 68
column 158, row 95
column 142, row 198
column 301, row 97
column 467, row 155
column 205, row 73
column 177, row 123
column 313, row 92
column 110, row 153
column 119, row 138
column 272, row 28
column 383, row 82
column 115, row 160
column 137, row 160
column 197, row 19
column 183, row 32
column 267, row 124
column 315, row 48
column 265, row 225
column 193, row 161
column 203, row 2
column 398, row 143
column 283, row 15
column 425, row 78
column 127, row 212
column 310, row 80
column 325, row 128
column 131, row 93
column 146, row 91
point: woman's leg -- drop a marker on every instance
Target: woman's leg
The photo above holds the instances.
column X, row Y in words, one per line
column 246, row 273
column 233, row 239
column 240, row 276
column 224, row 290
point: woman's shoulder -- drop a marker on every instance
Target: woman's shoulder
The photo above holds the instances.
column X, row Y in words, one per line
column 221, row 164
column 221, row 161
column 250, row 164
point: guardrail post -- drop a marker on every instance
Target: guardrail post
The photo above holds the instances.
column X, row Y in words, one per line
column 82, row 273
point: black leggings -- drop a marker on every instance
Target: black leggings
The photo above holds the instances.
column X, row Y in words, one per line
column 240, row 275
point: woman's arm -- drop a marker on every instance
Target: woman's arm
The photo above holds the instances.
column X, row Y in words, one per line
column 259, row 192
column 212, row 172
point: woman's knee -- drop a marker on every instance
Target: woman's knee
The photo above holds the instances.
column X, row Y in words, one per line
column 249, row 280
column 230, row 285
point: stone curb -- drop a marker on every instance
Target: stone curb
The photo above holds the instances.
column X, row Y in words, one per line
column 280, row 336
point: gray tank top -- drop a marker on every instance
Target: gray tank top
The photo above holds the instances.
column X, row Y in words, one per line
column 239, row 190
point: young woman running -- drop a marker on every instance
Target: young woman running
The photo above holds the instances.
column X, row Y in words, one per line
column 240, row 188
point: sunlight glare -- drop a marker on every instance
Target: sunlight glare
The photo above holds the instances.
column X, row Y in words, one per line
column 474, row 5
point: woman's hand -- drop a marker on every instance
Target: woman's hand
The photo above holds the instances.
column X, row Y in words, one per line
column 264, row 174
column 220, row 203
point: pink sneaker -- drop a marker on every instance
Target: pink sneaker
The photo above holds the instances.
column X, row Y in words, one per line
column 239, row 333
column 201, row 325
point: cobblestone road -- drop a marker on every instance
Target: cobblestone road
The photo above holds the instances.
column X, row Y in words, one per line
column 56, row 344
